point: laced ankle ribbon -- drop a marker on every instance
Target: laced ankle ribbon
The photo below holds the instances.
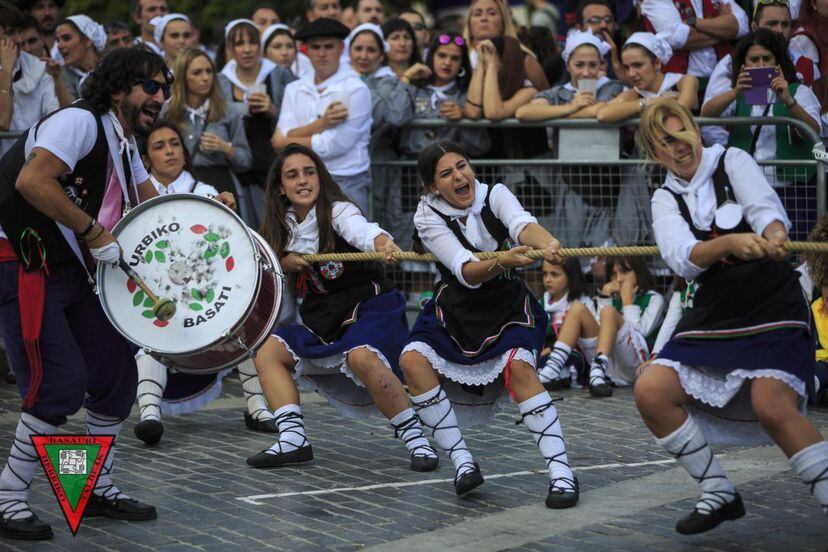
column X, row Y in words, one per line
column 7, row 507
column 560, row 484
column 456, row 447
column 426, row 451
column 822, row 477
column 108, row 491
column 287, row 422
column 718, row 498
column 598, row 380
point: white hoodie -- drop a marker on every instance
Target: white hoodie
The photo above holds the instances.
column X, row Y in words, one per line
column 34, row 96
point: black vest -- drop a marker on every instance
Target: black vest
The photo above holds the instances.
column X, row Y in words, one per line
column 334, row 291
column 737, row 295
column 475, row 318
column 85, row 186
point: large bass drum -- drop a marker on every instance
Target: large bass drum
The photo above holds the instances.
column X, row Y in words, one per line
column 224, row 279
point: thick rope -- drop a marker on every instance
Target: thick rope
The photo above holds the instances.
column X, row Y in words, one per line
column 618, row 251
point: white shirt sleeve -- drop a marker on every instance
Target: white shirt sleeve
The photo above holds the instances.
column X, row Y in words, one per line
column 338, row 140
column 805, row 46
column 741, row 18
column 673, row 236
column 666, row 20
column 760, row 203
column 438, row 239
column 50, row 100
column 645, row 322
column 808, row 101
column 139, row 172
column 69, row 135
column 509, row 211
column 671, row 320
column 205, row 190
column 354, row 228
column 720, row 79
column 287, row 119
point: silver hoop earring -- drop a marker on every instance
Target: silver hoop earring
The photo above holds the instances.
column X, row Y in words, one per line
column 462, row 73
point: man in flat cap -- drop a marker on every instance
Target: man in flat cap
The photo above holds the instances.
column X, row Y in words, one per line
column 329, row 111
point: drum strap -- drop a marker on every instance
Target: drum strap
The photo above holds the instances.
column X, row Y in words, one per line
column 31, row 296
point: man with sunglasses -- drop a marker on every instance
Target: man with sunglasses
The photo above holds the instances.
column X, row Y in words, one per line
column 417, row 22
column 63, row 185
column 699, row 31
column 329, row 111
column 598, row 17
column 774, row 15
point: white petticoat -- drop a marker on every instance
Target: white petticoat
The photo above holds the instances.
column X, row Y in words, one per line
column 334, row 380
column 722, row 404
column 473, row 409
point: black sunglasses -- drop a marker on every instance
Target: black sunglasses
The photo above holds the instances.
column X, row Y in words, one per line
column 151, row 87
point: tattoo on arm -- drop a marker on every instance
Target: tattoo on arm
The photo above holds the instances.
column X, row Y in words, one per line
column 29, row 159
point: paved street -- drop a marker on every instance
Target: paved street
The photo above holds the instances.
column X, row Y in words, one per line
column 359, row 494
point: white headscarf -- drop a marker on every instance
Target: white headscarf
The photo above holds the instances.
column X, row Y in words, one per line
column 374, row 28
column 160, row 23
column 91, row 30
column 271, row 30
column 579, row 38
column 230, row 25
column 655, row 44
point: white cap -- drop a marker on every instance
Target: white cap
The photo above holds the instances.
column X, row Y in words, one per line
column 160, row 23
column 90, row 29
column 655, row 44
column 372, row 27
column 268, row 32
column 231, row 24
column 576, row 39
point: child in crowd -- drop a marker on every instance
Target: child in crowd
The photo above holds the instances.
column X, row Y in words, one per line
column 565, row 287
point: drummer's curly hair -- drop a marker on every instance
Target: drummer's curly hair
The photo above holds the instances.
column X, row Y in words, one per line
column 118, row 71
column 275, row 229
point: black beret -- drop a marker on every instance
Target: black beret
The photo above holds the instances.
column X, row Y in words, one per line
column 324, row 26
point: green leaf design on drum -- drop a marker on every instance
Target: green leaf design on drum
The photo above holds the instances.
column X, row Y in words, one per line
column 195, row 306
column 196, row 294
column 224, row 250
column 209, row 296
column 160, row 257
column 148, row 314
column 137, row 298
column 211, row 252
column 163, row 244
column 212, row 237
column 148, row 257
column 148, row 303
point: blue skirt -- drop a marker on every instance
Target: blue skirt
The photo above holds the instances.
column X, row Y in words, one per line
column 381, row 324
column 429, row 330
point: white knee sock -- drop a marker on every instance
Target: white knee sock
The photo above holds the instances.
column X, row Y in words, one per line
column 152, row 380
column 598, row 370
column 811, row 463
column 291, row 426
column 20, row 467
column 252, row 388
column 557, row 358
column 100, row 424
column 541, row 417
column 435, row 411
column 407, row 427
column 690, row 448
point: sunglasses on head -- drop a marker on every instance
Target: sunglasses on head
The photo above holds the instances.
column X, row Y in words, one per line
column 769, row 3
column 418, row 26
column 595, row 20
column 152, row 86
column 446, row 39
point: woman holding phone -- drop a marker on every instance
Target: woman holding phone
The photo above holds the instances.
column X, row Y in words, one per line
column 765, row 49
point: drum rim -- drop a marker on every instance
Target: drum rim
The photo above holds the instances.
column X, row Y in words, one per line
column 116, row 230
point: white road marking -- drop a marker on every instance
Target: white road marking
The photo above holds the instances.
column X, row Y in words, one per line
column 256, row 500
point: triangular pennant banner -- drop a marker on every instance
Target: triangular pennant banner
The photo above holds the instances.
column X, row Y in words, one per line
column 73, row 463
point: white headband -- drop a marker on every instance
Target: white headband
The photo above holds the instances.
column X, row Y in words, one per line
column 656, row 45
column 577, row 39
column 91, row 30
column 160, row 23
column 271, row 30
column 229, row 26
column 372, row 27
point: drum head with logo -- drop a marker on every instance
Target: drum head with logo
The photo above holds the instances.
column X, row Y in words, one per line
column 191, row 250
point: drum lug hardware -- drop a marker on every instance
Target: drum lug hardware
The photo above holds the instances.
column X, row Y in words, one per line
column 236, row 340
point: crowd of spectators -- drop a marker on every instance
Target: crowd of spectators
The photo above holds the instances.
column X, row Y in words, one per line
column 346, row 80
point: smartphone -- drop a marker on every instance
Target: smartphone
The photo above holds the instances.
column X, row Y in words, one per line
column 588, row 85
column 760, row 92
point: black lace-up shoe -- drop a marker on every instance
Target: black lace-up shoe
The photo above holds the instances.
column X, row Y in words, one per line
column 699, row 522
column 269, row 460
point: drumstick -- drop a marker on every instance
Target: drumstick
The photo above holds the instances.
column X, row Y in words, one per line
column 162, row 308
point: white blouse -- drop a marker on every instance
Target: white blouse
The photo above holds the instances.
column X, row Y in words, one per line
column 438, row 238
column 348, row 222
column 184, row 185
column 760, row 205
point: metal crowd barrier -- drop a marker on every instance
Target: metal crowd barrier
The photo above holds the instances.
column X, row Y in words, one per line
column 585, row 193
